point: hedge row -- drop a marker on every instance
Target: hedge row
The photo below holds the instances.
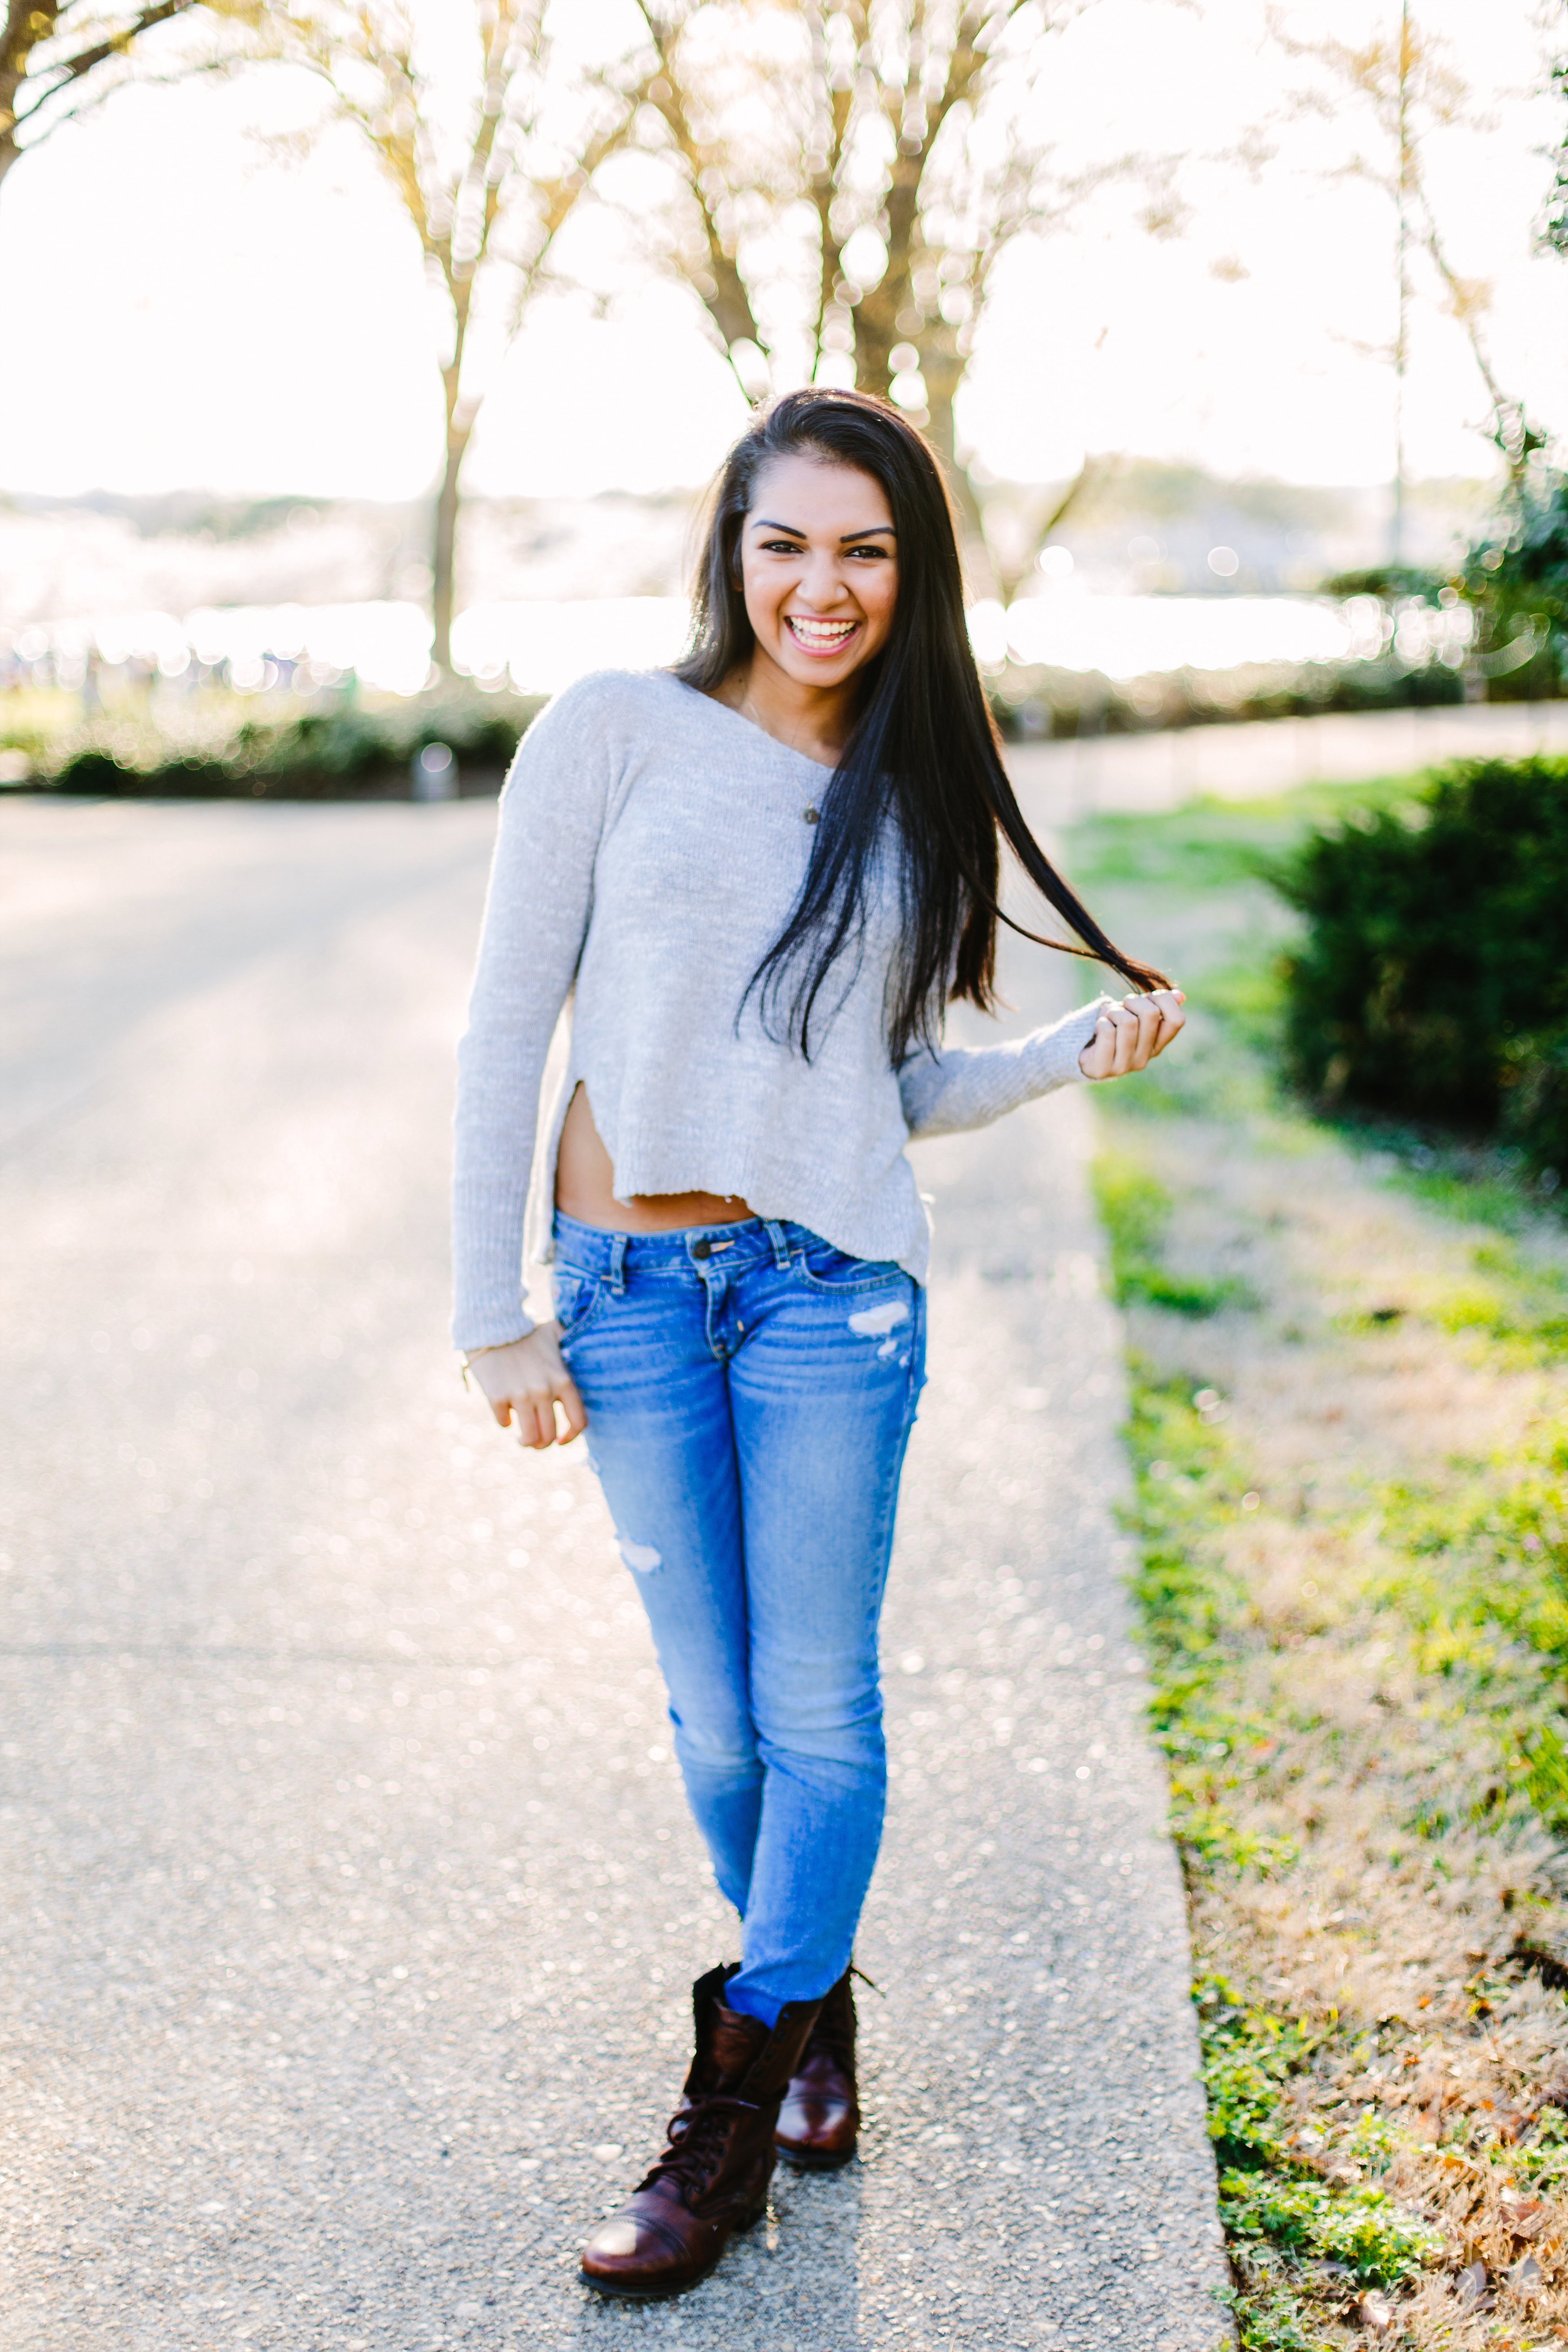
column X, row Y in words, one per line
column 348, row 752
column 1433, row 979
column 1035, row 703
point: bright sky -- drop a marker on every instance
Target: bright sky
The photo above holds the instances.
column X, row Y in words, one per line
column 183, row 310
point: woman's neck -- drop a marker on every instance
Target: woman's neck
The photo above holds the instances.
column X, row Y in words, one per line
column 812, row 719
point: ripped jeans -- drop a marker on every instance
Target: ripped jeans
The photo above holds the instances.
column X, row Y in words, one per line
column 750, row 1392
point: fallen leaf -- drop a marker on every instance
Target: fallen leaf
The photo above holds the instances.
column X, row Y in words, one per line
column 1375, row 2313
column 1525, row 2216
column 1472, row 2284
column 1510, row 2126
column 1525, row 2276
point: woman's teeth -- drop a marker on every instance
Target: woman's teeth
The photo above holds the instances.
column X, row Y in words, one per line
column 820, row 636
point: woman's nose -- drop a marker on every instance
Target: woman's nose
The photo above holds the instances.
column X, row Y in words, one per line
column 822, row 581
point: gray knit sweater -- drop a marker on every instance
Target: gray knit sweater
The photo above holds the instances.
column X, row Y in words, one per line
column 652, row 844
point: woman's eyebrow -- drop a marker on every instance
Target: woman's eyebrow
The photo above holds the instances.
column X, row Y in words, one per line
column 762, row 522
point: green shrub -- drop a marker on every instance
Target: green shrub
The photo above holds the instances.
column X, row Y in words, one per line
column 330, row 753
column 1517, row 580
column 1432, row 981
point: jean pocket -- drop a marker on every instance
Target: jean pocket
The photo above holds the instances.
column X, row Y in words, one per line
column 826, row 1268
column 574, row 1297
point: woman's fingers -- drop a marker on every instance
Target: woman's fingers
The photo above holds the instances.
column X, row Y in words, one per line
column 1143, row 1040
column 1128, row 1035
column 535, row 1418
column 1151, row 1021
column 524, row 1381
column 1096, row 1057
column 534, row 1415
column 1126, row 1024
column 1107, row 1052
column 571, row 1404
column 1173, row 1020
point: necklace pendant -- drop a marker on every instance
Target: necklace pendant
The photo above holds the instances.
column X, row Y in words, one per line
column 812, row 815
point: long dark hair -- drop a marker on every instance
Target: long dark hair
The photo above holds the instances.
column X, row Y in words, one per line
column 923, row 750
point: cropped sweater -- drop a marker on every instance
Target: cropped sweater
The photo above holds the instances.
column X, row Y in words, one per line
column 652, row 844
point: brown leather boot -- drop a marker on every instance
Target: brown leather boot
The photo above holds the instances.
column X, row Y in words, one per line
column 821, row 2114
column 712, row 2179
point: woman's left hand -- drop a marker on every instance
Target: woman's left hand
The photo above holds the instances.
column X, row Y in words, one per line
column 1128, row 1035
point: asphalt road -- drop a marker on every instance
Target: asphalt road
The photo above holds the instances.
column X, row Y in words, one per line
column 351, row 1905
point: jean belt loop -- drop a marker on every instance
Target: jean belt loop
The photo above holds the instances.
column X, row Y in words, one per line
column 775, row 1233
column 618, row 1265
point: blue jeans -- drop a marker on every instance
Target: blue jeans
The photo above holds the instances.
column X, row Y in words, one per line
column 750, row 1392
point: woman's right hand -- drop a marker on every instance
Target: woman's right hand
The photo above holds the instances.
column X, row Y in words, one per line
column 525, row 1383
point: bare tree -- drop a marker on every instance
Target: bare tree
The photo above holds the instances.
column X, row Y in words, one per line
column 847, row 179
column 490, row 142
column 1409, row 92
column 61, row 58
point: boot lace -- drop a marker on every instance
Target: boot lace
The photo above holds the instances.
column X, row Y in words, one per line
column 697, row 2138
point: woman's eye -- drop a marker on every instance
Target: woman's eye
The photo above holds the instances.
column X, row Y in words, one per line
column 781, row 547
column 880, row 552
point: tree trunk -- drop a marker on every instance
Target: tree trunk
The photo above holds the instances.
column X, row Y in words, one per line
column 942, row 370
column 19, row 35
column 459, row 429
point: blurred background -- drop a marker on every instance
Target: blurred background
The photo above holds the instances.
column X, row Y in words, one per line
column 363, row 365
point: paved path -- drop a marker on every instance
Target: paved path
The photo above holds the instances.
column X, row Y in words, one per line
column 1261, row 757
column 350, row 1900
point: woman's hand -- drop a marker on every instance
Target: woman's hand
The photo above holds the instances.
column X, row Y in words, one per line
column 1128, row 1035
column 525, row 1383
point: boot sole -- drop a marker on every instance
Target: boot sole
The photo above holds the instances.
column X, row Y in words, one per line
column 628, row 2294
column 802, row 2159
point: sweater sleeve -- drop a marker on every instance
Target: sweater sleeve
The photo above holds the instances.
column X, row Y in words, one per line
column 969, row 1086
column 536, row 918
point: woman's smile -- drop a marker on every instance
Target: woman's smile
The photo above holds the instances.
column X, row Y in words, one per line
column 820, row 638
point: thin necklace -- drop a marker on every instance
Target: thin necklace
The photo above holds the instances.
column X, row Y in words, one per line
column 747, row 709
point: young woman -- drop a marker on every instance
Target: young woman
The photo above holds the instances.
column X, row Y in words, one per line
column 759, row 878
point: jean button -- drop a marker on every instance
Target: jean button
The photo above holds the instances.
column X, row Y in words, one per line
column 702, row 1249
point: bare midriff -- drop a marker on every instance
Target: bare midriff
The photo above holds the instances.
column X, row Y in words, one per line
column 584, row 1179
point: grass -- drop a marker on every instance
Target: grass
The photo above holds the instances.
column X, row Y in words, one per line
column 1350, row 1443
column 1206, row 868
column 1134, row 1208
column 1212, row 844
